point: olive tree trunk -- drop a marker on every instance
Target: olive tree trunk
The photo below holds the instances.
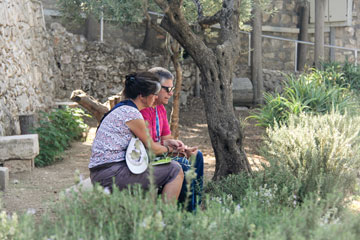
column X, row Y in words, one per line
column 216, row 66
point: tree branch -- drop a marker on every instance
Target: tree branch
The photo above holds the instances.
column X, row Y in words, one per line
column 148, row 19
column 163, row 5
column 229, row 19
column 199, row 9
column 174, row 23
column 208, row 21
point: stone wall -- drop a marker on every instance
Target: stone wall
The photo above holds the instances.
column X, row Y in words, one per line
column 27, row 68
column 99, row 69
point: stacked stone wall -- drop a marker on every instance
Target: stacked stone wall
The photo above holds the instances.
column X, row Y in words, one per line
column 27, row 72
column 99, row 68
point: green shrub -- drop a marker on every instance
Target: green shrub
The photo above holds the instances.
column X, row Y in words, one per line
column 316, row 92
column 56, row 130
column 8, row 225
column 136, row 215
column 315, row 154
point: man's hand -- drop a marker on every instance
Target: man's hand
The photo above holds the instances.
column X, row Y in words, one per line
column 180, row 149
column 177, row 145
column 189, row 151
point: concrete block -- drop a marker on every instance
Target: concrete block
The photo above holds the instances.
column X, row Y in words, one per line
column 4, row 178
column 19, row 165
column 242, row 91
column 19, row 147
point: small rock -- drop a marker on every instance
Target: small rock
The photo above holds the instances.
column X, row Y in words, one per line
column 31, row 211
column 241, row 108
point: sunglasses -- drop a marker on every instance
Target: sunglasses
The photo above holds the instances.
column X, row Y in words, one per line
column 168, row 89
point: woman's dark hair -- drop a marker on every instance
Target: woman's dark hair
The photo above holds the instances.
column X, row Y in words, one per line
column 142, row 83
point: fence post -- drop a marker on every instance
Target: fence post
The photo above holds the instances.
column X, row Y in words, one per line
column 356, row 56
column 102, row 27
column 249, row 52
column 296, row 50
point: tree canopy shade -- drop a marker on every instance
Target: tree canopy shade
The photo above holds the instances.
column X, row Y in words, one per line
column 216, row 64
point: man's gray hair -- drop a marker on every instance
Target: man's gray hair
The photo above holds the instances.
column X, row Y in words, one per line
column 162, row 73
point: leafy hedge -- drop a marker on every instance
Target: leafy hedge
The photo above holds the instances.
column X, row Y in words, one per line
column 56, row 130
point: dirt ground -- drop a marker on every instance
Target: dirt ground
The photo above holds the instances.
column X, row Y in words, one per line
column 35, row 191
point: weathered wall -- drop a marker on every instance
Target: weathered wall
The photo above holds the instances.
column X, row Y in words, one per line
column 27, row 72
column 99, row 68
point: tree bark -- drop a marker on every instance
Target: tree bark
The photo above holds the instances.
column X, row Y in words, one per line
column 256, row 60
column 319, row 32
column 216, row 67
column 174, row 122
column 304, row 35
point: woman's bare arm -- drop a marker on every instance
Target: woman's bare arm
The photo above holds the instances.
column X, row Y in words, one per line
column 138, row 127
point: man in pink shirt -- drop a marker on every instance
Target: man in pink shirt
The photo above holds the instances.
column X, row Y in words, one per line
column 160, row 131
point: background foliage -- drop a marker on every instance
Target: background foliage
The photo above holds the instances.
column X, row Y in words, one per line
column 125, row 12
column 316, row 92
column 351, row 73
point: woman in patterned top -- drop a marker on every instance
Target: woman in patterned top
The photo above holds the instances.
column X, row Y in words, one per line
column 107, row 163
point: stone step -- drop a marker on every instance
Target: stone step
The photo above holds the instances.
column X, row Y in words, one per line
column 19, row 147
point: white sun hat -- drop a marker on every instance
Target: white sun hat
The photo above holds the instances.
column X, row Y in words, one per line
column 136, row 156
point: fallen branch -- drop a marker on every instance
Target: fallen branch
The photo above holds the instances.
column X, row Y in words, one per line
column 96, row 108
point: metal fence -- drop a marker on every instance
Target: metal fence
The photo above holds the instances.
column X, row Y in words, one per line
column 296, row 44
